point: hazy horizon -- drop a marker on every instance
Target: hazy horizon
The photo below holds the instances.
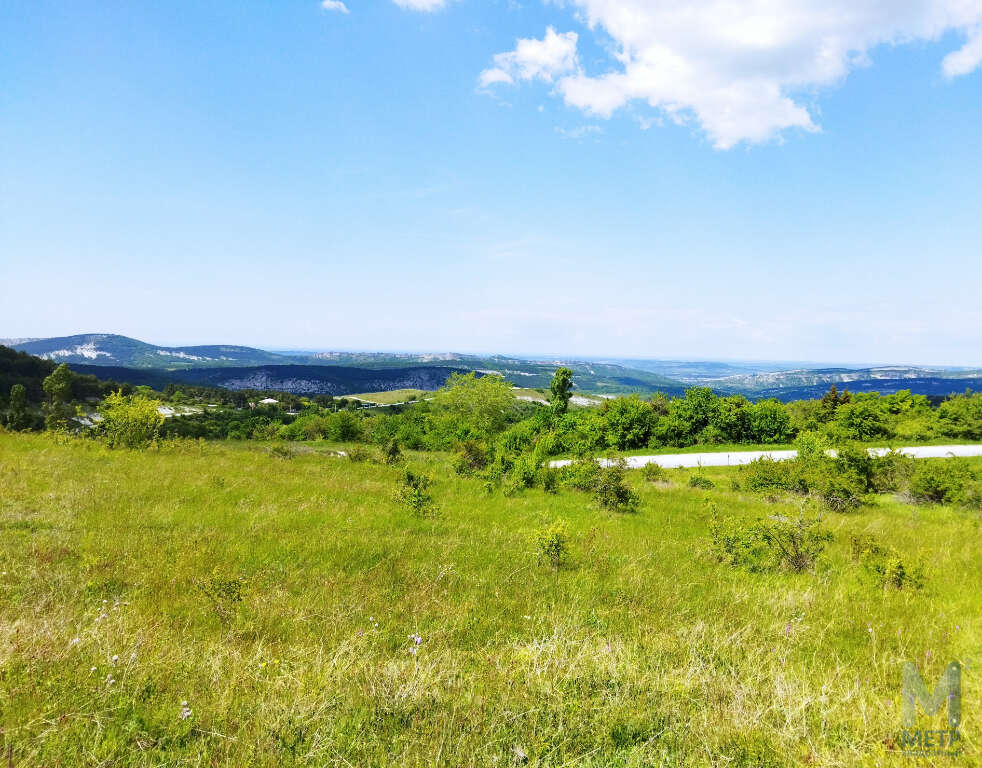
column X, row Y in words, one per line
column 777, row 364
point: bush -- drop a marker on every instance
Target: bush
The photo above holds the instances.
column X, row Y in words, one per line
column 130, row 421
column 552, row 544
column 522, row 474
column 281, row 451
column 612, row 492
column 582, row 474
column 414, row 493
column 653, row 473
column 891, row 472
column 550, row 479
column 884, row 565
column 765, row 475
column 358, row 453
column 840, row 491
column 471, row 456
column 390, row 452
column 944, row 481
column 737, row 543
column 701, row 481
column 763, row 545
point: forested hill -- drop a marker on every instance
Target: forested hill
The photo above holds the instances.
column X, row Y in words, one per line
column 296, row 379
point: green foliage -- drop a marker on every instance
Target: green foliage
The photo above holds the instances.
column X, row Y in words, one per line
column 18, row 416
column 812, row 447
column 864, row 418
column 582, row 474
column 765, row 475
column 480, row 404
column 281, row 451
column 628, row 422
column 358, row 454
column 768, row 423
column 961, row 417
column 522, row 474
column 699, row 480
column 884, row 565
column 653, row 473
column 414, row 493
column 768, row 543
column 58, row 386
column 612, row 492
column 552, row 544
column 390, row 452
column 129, row 421
column 944, row 481
column 561, row 389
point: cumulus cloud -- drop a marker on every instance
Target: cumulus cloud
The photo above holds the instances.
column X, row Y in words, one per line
column 334, row 5
column 736, row 67
column 420, row 5
column 545, row 59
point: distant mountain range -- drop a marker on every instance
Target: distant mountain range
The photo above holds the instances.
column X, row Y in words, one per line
column 113, row 350
column 122, row 358
column 233, row 366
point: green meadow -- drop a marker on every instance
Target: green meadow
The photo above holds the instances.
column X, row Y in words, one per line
column 225, row 604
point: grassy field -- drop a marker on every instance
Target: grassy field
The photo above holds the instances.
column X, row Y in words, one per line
column 391, row 397
column 123, row 640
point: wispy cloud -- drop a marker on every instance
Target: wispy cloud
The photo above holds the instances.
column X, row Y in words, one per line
column 421, row 5
column 580, row 132
column 334, row 5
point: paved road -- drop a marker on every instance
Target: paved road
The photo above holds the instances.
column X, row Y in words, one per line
column 674, row 460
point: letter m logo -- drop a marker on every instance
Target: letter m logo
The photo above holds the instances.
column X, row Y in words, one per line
column 948, row 689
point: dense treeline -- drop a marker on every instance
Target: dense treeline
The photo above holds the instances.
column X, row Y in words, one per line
column 463, row 411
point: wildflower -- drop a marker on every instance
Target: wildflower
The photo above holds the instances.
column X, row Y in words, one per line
column 110, row 679
column 75, row 641
column 787, row 629
column 520, row 755
column 115, row 658
column 185, row 711
column 92, row 670
column 133, row 656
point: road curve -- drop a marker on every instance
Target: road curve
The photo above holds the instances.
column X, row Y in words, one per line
column 676, row 460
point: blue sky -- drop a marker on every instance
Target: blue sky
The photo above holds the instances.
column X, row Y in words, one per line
column 396, row 177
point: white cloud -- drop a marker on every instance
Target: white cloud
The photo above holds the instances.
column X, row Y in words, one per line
column 334, row 5
column 545, row 59
column 737, row 67
column 580, row 132
column 420, row 5
column 967, row 58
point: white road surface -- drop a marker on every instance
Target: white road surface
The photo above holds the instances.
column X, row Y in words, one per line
column 675, row 460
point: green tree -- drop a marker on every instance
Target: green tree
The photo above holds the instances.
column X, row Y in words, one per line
column 770, row 422
column 58, row 413
column 481, row 403
column 628, row 422
column 58, row 386
column 130, row 421
column 18, row 417
column 561, row 389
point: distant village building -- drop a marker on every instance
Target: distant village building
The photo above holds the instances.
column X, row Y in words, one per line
column 268, row 401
